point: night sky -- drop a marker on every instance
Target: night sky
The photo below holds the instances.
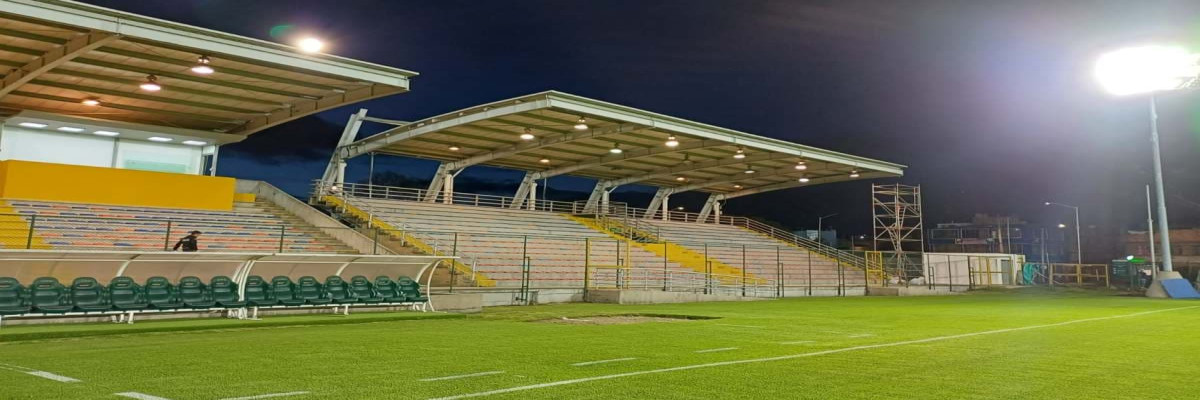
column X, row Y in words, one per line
column 992, row 105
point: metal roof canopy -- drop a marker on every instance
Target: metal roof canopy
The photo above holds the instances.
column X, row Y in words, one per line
column 56, row 53
column 489, row 134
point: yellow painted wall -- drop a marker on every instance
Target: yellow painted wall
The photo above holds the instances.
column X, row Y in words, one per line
column 28, row 180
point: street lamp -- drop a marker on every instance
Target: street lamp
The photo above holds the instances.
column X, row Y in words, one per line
column 819, row 220
column 1147, row 70
column 1078, row 242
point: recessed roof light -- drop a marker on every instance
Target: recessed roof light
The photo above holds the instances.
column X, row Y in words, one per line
column 544, row 160
column 159, row 139
column 737, row 186
column 803, row 179
column 194, row 143
column 854, row 174
column 70, row 129
column 106, row 133
column 454, row 147
column 680, row 178
column 32, row 125
column 90, row 101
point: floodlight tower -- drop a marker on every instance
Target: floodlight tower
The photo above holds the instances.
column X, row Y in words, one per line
column 1149, row 70
column 898, row 223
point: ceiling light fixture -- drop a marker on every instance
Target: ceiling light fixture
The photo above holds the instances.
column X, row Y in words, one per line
column 737, row 186
column 581, row 124
column 671, row 141
column 803, row 179
column 749, row 169
column 741, row 153
column 854, row 174
column 800, row 166
column 454, row 147
column 202, row 66
column 528, row 135
column 159, row 139
column 194, row 143
column 90, row 101
column 616, row 149
column 680, row 178
column 70, row 129
column 151, row 84
column 106, row 133
column 544, row 161
column 34, row 125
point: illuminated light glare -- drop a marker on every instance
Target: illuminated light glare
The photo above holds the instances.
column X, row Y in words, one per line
column 854, row 174
column 151, row 84
column 1146, row 69
column 310, row 45
column 680, row 178
column 34, row 125
column 680, row 208
column 194, row 143
column 616, row 149
column 70, row 129
column 1129, row 258
column 454, row 148
column 671, row 141
column 544, row 161
column 1062, row 225
column 106, row 133
column 803, row 179
column 202, row 66
column 737, row 186
column 159, row 139
column 741, row 153
column 528, row 135
column 801, row 166
column 581, row 124
column 90, row 101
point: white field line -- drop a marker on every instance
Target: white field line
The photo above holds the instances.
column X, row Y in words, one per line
column 801, row 355
column 798, row 342
column 266, row 396
column 585, row 363
column 446, row 378
column 740, row 326
column 140, row 396
column 40, row 374
column 860, row 335
column 716, row 350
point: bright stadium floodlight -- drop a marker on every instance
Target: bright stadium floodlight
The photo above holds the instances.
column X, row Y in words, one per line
column 310, row 44
column 1147, row 69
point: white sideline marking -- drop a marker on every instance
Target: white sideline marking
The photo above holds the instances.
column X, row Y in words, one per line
column 585, row 363
column 739, row 326
column 446, row 378
column 794, row 356
column 266, row 396
column 716, row 350
column 860, row 335
column 798, row 342
column 140, row 396
column 40, row 374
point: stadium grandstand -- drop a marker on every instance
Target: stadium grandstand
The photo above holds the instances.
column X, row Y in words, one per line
column 112, row 125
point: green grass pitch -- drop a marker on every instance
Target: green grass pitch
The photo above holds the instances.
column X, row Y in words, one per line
column 1010, row 345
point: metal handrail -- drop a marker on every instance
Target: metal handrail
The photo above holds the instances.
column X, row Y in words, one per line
column 471, row 199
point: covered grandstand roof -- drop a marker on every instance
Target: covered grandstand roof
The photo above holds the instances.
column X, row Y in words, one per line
column 70, row 58
column 553, row 133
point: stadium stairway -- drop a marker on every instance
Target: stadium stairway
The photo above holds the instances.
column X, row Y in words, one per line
column 496, row 243
column 673, row 252
column 761, row 254
column 250, row 227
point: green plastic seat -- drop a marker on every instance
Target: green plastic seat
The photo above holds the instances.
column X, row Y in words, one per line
column 284, row 291
column 89, row 296
column 363, row 291
column 224, row 292
column 257, row 292
column 49, row 296
column 337, row 290
column 14, row 298
column 194, row 293
column 161, row 294
column 388, row 290
column 311, row 291
column 125, row 294
column 411, row 290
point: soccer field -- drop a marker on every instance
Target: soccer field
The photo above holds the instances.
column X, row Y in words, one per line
column 983, row 346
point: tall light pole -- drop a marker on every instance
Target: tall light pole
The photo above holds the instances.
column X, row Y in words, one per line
column 1150, row 233
column 1148, row 70
column 819, row 220
column 1078, row 242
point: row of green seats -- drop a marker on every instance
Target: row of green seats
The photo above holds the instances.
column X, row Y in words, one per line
column 47, row 295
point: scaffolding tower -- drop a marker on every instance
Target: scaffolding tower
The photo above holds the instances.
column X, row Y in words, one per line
column 899, row 236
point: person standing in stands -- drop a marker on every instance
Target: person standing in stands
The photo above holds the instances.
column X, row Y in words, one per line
column 189, row 242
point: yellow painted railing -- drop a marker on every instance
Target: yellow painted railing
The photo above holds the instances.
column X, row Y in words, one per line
column 480, row 279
